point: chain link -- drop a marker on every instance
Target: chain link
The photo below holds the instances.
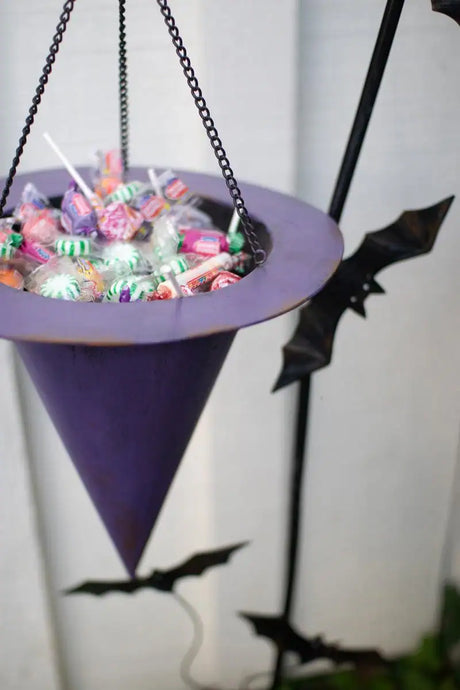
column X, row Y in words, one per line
column 259, row 254
column 123, row 88
column 47, row 69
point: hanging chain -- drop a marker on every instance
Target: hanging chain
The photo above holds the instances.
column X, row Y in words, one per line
column 50, row 59
column 208, row 123
column 123, row 88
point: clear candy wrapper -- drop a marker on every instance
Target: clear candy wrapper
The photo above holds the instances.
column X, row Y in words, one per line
column 174, row 190
column 149, row 205
column 164, row 242
column 43, row 227
column 74, row 280
column 10, row 276
column 187, row 215
column 109, row 172
column 32, row 202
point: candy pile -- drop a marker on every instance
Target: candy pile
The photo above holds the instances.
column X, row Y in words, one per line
column 119, row 243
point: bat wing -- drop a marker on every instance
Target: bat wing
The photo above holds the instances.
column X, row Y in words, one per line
column 100, row 588
column 449, row 7
column 287, row 639
column 196, row 565
column 278, row 631
column 310, row 347
column 412, row 234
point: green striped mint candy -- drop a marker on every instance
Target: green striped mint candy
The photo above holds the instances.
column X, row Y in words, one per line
column 7, row 250
column 121, row 252
column 62, row 286
column 139, row 287
column 125, row 192
column 177, row 266
column 72, row 246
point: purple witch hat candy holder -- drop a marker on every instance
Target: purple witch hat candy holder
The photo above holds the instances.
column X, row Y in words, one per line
column 139, row 374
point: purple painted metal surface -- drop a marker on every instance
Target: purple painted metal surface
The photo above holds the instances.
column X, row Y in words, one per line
column 125, row 415
column 125, row 384
column 307, row 248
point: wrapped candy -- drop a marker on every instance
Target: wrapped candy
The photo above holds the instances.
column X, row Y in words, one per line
column 32, row 203
column 43, row 227
column 224, row 279
column 173, row 189
column 68, row 279
column 119, row 222
column 109, row 173
column 149, row 205
column 209, row 242
column 72, row 246
column 139, row 288
column 126, row 192
column 93, row 279
column 165, row 239
column 8, row 236
column 142, row 245
column 78, row 217
column 61, row 286
column 121, row 256
column 7, row 250
column 186, row 216
column 36, row 252
column 11, row 277
column 195, row 279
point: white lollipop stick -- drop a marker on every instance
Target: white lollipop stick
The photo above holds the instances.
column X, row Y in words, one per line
column 235, row 221
column 175, row 284
column 89, row 194
column 155, row 182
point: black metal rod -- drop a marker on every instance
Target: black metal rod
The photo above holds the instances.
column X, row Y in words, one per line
column 359, row 128
column 295, row 508
column 369, row 93
column 123, row 87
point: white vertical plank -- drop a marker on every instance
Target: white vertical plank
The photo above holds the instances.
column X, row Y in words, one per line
column 27, row 653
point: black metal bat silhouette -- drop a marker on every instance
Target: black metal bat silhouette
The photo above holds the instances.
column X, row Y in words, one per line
column 286, row 639
column 310, row 348
column 449, row 7
column 164, row 580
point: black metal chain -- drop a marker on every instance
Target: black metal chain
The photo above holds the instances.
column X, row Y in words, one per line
column 123, row 88
column 259, row 254
column 50, row 59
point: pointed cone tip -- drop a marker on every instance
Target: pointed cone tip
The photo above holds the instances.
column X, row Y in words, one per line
column 125, row 446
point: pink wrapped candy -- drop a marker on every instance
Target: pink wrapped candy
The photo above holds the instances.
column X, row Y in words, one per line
column 224, row 279
column 42, row 227
column 119, row 221
column 209, row 242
